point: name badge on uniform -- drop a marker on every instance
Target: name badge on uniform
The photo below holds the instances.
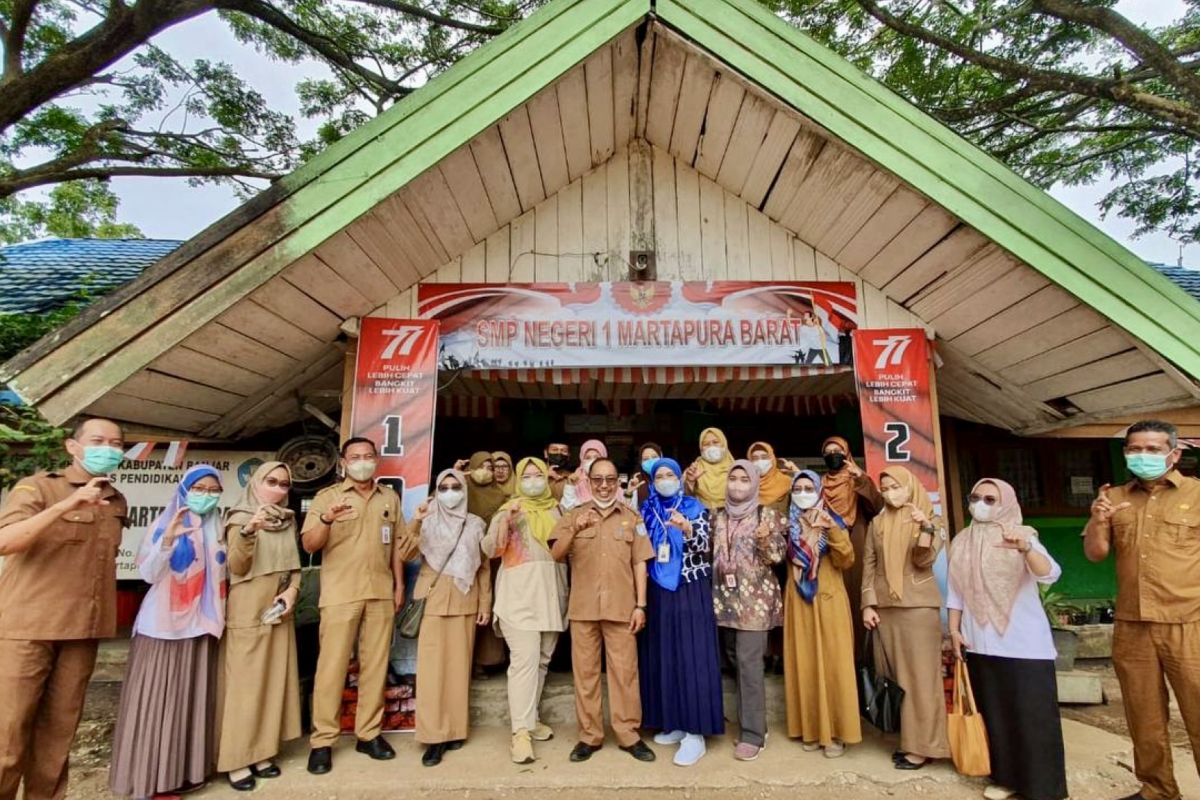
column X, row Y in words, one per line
column 386, row 532
column 664, row 553
column 730, row 580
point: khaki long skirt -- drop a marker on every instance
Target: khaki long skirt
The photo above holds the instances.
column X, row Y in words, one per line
column 444, row 651
column 912, row 641
column 259, row 682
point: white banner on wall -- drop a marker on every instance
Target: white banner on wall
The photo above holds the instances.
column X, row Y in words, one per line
column 147, row 485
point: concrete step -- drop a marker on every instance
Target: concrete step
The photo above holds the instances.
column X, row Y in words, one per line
column 1079, row 688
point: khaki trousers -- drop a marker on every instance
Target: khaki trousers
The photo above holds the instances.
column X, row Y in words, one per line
column 369, row 623
column 1146, row 655
column 529, row 654
column 619, row 647
column 42, row 689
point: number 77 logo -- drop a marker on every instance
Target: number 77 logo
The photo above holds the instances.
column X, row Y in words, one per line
column 403, row 339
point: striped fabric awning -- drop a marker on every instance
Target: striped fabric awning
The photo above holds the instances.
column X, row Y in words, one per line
column 661, row 376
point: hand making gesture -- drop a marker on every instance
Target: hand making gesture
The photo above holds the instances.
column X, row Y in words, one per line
column 1103, row 508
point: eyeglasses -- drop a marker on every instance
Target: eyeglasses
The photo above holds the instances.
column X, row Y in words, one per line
column 987, row 500
column 210, row 492
column 275, row 483
column 604, row 480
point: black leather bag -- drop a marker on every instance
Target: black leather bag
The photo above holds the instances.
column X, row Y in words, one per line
column 880, row 697
column 408, row 623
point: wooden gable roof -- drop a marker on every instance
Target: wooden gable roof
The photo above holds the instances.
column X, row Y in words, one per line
column 1030, row 302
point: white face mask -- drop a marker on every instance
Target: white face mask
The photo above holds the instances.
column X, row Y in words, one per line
column 668, row 487
column 452, row 498
column 982, row 512
column 805, row 500
column 533, row 487
column 895, row 498
column 605, row 503
column 361, row 470
column 763, row 465
column 713, row 453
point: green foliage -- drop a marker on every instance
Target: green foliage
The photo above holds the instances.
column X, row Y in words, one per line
column 28, row 444
column 79, row 209
column 1055, row 90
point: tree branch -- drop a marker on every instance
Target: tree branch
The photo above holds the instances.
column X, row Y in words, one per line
column 14, row 37
column 1131, row 37
column 9, row 185
column 269, row 15
column 1047, row 79
column 411, row 10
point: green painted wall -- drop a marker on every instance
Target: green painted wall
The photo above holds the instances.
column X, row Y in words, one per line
column 1081, row 579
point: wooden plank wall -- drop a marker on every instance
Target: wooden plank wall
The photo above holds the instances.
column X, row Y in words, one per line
column 699, row 231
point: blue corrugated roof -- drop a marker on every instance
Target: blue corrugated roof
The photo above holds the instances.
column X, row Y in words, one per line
column 40, row 276
column 1186, row 278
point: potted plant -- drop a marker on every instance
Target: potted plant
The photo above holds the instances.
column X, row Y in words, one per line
column 1059, row 613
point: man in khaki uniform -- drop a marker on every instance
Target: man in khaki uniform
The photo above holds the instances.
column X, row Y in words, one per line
column 1152, row 524
column 353, row 524
column 608, row 547
column 59, row 535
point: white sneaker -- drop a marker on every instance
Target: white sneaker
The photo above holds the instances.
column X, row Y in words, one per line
column 998, row 792
column 541, row 732
column 669, row 737
column 691, row 750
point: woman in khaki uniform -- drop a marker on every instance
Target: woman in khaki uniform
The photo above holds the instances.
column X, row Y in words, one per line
column 458, row 599
column 901, row 602
column 260, row 688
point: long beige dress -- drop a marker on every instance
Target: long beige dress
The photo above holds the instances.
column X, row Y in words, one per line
column 909, row 638
column 259, row 690
column 445, row 646
column 818, row 655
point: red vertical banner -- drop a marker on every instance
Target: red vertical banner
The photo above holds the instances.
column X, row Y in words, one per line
column 395, row 396
column 893, row 372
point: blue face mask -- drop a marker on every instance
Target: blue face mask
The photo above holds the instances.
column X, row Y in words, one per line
column 1147, row 466
column 101, row 459
column 201, row 502
column 648, row 465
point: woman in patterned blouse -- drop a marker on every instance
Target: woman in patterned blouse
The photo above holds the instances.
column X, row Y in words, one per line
column 748, row 540
column 677, row 654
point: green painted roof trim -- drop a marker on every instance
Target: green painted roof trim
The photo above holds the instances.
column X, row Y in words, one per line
column 945, row 167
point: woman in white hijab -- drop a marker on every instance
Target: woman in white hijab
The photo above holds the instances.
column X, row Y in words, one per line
column 998, row 625
column 456, row 583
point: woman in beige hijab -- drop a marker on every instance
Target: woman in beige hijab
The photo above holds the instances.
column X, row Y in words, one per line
column 901, row 603
column 997, row 624
column 261, row 691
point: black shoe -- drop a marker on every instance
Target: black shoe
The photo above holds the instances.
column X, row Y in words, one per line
column 898, row 756
column 433, row 755
column 905, row 764
column 320, row 760
column 583, row 751
column 457, row 744
column 639, row 751
column 377, row 748
column 272, row 770
column 246, row 784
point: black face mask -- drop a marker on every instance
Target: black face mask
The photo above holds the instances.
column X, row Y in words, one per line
column 835, row 461
column 558, row 460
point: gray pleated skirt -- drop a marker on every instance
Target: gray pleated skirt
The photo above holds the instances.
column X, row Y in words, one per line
column 166, row 734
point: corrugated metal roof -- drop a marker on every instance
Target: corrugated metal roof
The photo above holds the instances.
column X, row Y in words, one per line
column 40, row 276
column 1185, row 278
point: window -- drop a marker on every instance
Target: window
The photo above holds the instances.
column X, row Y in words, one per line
column 1020, row 466
column 1079, row 472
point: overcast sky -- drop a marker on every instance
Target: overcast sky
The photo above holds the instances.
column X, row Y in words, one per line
column 191, row 209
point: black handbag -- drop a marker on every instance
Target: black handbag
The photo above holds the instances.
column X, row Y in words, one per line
column 408, row 624
column 880, row 697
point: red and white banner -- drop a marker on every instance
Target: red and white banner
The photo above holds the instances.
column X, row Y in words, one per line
column 892, row 369
column 656, row 323
column 395, row 393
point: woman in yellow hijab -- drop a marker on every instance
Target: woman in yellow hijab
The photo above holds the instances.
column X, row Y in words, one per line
column 775, row 487
column 531, row 598
column 706, row 478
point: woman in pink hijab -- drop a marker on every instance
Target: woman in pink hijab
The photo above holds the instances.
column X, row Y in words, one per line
column 997, row 624
column 579, row 490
